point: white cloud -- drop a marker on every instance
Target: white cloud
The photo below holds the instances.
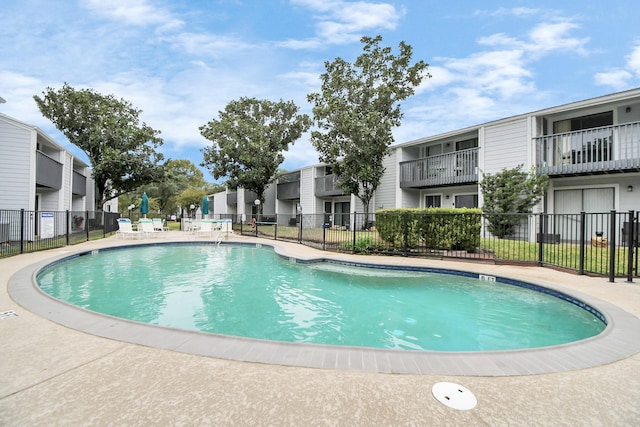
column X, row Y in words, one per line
column 134, row 12
column 500, row 39
column 548, row 37
column 618, row 79
column 341, row 22
column 513, row 11
column 18, row 90
column 633, row 60
column 206, row 44
column 623, row 77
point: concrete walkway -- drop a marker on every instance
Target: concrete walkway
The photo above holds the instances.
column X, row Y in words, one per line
column 54, row 375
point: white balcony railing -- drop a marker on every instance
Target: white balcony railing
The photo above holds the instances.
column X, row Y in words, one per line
column 459, row 167
column 597, row 150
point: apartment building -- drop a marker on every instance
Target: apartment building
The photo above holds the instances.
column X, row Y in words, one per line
column 589, row 149
column 38, row 175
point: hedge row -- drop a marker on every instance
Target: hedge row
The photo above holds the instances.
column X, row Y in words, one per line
column 435, row 228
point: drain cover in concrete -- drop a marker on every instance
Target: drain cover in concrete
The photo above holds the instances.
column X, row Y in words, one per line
column 454, row 395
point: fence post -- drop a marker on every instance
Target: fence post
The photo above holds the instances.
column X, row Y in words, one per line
column 86, row 223
column 631, row 243
column 612, row 248
column 541, row 233
column 583, row 225
column 300, row 228
column 275, row 229
column 21, row 231
column 353, row 250
column 324, row 237
column 67, row 227
column 104, row 225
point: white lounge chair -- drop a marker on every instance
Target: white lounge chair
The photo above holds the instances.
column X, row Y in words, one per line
column 204, row 228
column 158, row 225
column 125, row 228
column 145, row 228
column 210, row 228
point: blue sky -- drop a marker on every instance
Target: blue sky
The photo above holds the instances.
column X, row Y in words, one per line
column 182, row 61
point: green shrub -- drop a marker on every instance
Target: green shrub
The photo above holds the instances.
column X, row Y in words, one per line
column 435, row 228
column 364, row 245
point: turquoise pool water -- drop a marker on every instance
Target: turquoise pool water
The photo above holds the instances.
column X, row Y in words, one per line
column 252, row 292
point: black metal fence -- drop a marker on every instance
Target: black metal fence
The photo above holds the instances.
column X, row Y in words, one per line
column 23, row 231
column 588, row 243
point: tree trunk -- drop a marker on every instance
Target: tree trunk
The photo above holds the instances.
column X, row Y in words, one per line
column 365, row 207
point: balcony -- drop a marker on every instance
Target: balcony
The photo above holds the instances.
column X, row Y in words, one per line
column 460, row 167
column 249, row 197
column 232, row 198
column 326, row 186
column 607, row 149
column 79, row 186
column 289, row 186
column 48, row 171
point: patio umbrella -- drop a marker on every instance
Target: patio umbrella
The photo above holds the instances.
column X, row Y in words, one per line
column 205, row 205
column 144, row 206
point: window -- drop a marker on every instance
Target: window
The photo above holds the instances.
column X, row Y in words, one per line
column 585, row 122
column 433, row 201
column 431, row 150
column 466, row 201
column 584, row 199
column 466, row 144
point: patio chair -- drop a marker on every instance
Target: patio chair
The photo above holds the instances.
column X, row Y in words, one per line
column 212, row 229
column 205, row 227
column 159, row 225
column 145, row 228
column 125, row 228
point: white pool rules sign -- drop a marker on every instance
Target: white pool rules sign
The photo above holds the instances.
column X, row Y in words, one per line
column 46, row 225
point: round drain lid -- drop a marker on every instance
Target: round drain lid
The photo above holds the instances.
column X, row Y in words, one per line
column 454, row 396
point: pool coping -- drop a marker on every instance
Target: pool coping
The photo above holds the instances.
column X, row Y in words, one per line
column 618, row 341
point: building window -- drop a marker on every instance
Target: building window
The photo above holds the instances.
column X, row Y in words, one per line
column 466, row 201
column 466, row 144
column 585, row 122
column 433, row 201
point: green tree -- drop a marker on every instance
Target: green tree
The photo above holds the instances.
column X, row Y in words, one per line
column 248, row 140
column 355, row 112
column 120, row 148
column 179, row 175
column 191, row 196
column 507, row 193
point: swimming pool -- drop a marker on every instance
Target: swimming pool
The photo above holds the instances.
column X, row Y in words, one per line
column 252, row 292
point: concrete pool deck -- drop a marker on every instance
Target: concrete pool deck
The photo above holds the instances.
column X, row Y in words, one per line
column 55, row 375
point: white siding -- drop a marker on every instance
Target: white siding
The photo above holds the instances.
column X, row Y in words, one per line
column 410, row 198
column 385, row 196
column 67, row 180
column 220, row 203
column 307, row 188
column 269, row 207
column 506, row 145
column 356, row 205
column 17, row 147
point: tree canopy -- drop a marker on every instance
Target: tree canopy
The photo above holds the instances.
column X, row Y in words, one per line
column 248, row 140
column 190, row 196
column 122, row 151
column 357, row 108
column 179, row 175
column 509, row 192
